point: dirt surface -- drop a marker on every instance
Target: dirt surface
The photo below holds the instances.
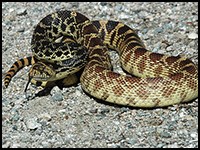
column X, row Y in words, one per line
column 71, row 118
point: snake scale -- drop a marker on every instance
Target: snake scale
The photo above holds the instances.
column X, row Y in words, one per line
column 64, row 42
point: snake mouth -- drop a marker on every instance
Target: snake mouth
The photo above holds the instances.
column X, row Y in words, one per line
column 41, row 77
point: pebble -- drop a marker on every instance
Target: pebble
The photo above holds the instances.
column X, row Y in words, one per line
column 15, row 145
column 181, row 114
column 165, row 134
column 6, row 145
column 78, row 93
column 160, row 145
column 93, row 110
column 62, row 111
column 45, row 144
column 104, row 110
column 158, row 30
column 193, row 36
column 132, row 141
column 45, row 117
column 174, row 145
column 32, row 123
column 57, row 96
column 21, row 30
column 21, row 11
column 15, row 117
column 194, row 135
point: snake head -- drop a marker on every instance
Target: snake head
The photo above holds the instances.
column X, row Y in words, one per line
column 41, row 72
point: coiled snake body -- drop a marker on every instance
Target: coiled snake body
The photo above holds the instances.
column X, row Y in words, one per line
column 66, row 41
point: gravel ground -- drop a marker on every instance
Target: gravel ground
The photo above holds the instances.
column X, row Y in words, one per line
column 70, row 118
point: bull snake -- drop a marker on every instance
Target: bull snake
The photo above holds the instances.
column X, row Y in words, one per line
column 66, row 41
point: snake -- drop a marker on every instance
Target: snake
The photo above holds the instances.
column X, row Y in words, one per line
column 65, row 42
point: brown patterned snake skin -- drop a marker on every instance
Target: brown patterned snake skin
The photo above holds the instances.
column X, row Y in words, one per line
column 161, row 80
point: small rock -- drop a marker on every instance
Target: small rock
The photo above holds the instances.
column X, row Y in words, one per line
column 46, row 144
column 11, row 10
column 103, row 3
column 14, row 127
column 78, row 93
column 193, row 135
column 181, row 114
column 174, row 145
column 62, row 111
column 45, row 117
column 15, row 117
column 192, row 36
column 160, row 145
column 57, row 96
column 158, row 30
column 21, row 29
column 132, row 141
column 165, row 134
column 15, row 145
column 169, row 11
column 104, row 110
column 124, row 16
column 93, row 110
column 21, row 12
column 6, row 145
column 32, row 123
column 112, row 145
